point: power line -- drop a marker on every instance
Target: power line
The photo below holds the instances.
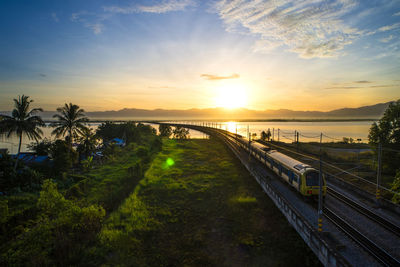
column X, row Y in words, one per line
column 333, row 138
column 333, row 166
column 302, row 135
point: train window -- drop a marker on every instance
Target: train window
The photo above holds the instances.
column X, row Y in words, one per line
column 312, row 178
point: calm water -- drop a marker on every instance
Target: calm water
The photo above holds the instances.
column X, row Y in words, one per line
column 308, row 131
column 12, row 143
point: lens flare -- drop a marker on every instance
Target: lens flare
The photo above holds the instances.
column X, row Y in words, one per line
column 170, row 162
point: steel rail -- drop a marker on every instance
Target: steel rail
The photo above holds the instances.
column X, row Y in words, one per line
column 372, row 248
column 388, row 225
column 375, row 250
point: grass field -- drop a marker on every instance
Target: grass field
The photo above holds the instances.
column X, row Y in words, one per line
column 197, row 206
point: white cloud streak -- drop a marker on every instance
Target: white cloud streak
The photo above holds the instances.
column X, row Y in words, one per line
column 389, row 27
column 386, row 39
column 311, row 28
column 161, row 7
column 89, row 20
column 54, row 17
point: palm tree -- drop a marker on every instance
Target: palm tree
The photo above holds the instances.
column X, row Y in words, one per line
column 71, row 121
column 22, row 122
column 87, row 142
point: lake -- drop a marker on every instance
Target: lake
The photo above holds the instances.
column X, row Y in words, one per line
column 308, row 131
column 12, row 143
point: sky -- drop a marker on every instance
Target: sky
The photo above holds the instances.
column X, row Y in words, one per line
column 182, row 54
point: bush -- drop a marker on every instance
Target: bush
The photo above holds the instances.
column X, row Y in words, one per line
column 396, row 187
column 63, row 156
column 62, row 234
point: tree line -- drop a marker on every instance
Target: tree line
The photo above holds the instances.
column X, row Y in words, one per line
column 51, row 213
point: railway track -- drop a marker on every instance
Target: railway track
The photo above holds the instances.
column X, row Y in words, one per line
column 366, row 212
column 367, row 244
column 375, row 250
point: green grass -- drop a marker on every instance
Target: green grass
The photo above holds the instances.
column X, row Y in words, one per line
column 197, row 206
column 110, row 183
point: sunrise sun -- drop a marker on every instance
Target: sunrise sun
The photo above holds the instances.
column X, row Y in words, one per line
column 231, row 96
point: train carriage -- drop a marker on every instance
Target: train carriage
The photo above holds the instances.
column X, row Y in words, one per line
column 302, row 177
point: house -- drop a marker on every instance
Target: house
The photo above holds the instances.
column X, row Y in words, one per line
column 31, row 158
column 118, row 142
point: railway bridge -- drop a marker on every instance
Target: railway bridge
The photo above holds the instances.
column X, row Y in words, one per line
column 355, row 233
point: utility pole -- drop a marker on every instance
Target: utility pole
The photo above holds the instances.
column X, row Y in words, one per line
column 378, row 175
column 294, row 136
column 320, row 199
column 278, row 134
column 248, row 132
column 236, row 137
column 273, row 134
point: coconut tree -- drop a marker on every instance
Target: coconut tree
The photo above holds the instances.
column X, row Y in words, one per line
column 88, row 142
column 70, row 121
column 22, row 121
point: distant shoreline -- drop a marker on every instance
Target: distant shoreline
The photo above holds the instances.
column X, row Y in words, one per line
column 224, row 120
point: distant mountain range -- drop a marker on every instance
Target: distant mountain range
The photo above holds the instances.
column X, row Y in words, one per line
column 370, row 112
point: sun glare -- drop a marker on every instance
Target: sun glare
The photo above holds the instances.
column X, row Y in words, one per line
column 231, row 96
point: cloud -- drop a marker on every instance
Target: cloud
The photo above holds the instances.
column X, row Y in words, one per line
column 96, row 27
column 386, row 39
column 311, row 28
column 389, row 27
column 76, row 16
column 161, row 87
column 360, row 87
column 344, row 87
column 396, row 14
column 91, row 21
column 363, row 82
column 42, row 75
column 379, row 86
column 212, row 77
column 54, row 17
column 161, row 7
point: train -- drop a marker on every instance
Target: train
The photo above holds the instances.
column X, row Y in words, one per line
column 302, row 177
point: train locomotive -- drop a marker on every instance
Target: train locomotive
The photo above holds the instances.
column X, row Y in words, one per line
column 302, row 177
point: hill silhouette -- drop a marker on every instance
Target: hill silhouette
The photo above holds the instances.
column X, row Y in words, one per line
column 370, row 112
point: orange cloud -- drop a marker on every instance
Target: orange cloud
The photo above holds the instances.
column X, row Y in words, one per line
column 212, row 77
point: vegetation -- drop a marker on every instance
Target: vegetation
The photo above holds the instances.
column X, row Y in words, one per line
column 396, row 187
column 196, row 206
column 22, row 121
column 88, row 143
column 165, row 130
column 41, row 148
column 387, row 133
column 71, row 121
column 265, row 136
column 62, row 232
column 181, row 132
column 128, row 131
column 60, row 225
